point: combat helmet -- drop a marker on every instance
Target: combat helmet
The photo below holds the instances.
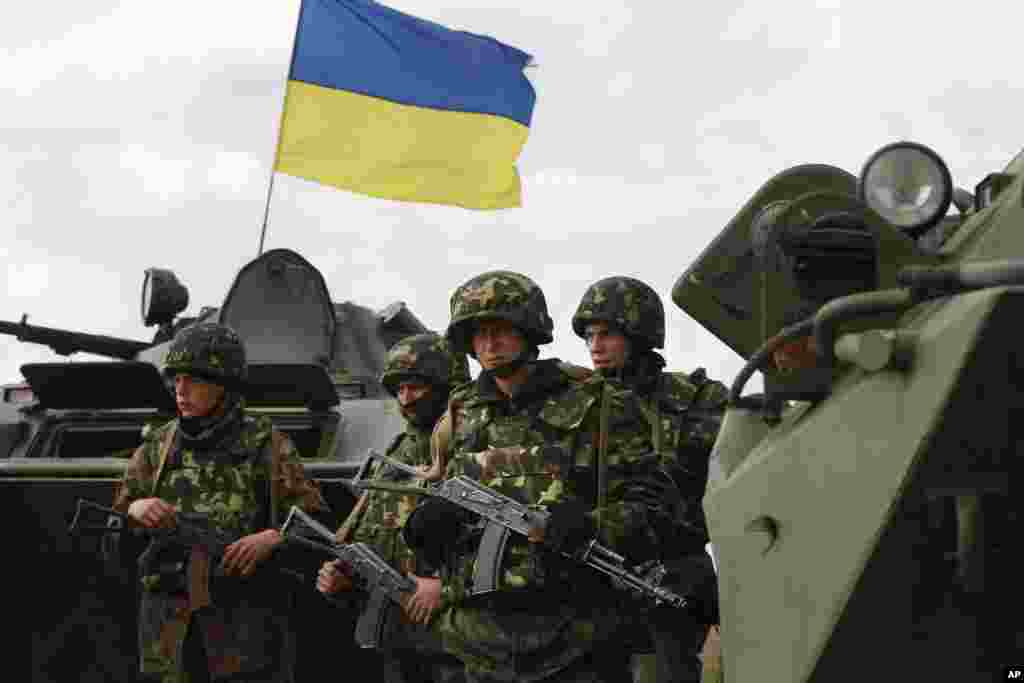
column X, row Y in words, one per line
column 627, row 304
column 426, row 358
column 499, row 295
column 209, row 351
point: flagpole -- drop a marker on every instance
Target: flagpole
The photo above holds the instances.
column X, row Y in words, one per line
column 280, row 127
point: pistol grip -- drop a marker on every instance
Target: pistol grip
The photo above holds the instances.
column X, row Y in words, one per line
column 489, row 555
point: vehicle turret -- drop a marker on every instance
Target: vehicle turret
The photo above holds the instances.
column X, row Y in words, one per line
column 68, row 428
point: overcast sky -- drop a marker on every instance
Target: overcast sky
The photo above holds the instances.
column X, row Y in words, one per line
column 141, row 134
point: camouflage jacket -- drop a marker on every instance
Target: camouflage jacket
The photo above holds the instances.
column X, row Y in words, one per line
column 244, row 628
column 684, row 412
column 379, row 523
column 553, row 408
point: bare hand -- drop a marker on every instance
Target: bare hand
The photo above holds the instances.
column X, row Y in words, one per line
column 424, row 601
column 331, row 579
column 153, row 513
column 242, row 556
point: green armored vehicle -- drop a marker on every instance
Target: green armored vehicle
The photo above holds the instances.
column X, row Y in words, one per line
column 860, row 508
column 67, row 430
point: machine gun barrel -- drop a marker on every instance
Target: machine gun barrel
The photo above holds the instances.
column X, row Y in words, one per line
column 66, row 342
column 505, row 515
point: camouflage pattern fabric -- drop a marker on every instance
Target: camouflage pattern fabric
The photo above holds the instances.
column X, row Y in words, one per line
column 382, row 519
column 411, row 652
column 566, row 612
column 425, row 357
column 688, row 415
column 684, row 413
column 501, row 295
column 245, row 629
column 627, row 304
column 208, row 350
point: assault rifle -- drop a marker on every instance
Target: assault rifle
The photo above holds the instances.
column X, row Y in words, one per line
column 504, row 516
column 380, row 579
column 189, row 530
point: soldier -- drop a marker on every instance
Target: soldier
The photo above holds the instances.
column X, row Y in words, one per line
column 539, row 432
column 419, row 372
column 200, row 619
column 622, row 321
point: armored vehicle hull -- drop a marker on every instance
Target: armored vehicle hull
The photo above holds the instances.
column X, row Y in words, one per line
column 67, row 430
column 860, row 510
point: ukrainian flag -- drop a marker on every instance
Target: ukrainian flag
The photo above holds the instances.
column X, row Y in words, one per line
column 389, row 105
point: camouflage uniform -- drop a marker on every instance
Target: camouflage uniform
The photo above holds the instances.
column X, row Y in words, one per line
column 683, row 413
column 415, row 652
column 549, row 619
column 222, row 467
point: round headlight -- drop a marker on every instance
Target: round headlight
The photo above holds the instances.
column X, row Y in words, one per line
column 163, row 297
column 147, row 296
column 908, row 185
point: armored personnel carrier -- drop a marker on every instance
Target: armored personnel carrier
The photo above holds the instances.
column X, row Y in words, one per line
column 860, row 508
column 67, row 429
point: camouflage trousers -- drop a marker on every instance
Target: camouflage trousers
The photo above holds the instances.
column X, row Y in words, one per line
column 504, row 645
column 236, row 644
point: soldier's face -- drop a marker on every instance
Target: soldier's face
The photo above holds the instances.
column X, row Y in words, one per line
column 410, row 392
column 608, row 347
column 196, row 398
column 497, row 342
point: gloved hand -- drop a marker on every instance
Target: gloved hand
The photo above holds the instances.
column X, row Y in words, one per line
column 569, row 527
column 693, row 576
column 433, row 527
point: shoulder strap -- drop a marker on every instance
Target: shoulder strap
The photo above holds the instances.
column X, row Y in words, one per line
column 165, row 450
column 602, row 451
column 276, row 443
column 441, row 442
column 344, row 533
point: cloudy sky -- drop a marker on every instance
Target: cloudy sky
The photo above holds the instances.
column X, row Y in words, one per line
column 142, row 134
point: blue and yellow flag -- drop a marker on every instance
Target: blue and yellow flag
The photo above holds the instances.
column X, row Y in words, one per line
column 389, row 105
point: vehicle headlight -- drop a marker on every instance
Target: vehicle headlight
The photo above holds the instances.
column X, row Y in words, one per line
column 163, row 297
column 908, row 185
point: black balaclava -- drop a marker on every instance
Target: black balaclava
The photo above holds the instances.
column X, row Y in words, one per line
column 641, row 370
column 215, row 429
column 426, row 411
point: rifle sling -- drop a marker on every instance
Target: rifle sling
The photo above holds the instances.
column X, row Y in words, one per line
column 602, row 453
column 275, row 476
column 344, row 533
column 164, row 453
